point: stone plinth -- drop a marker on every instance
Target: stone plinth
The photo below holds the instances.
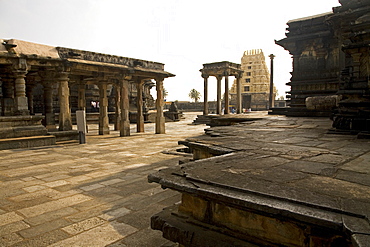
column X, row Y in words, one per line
column 276, row 181
column 21, row 126
column 23, row 132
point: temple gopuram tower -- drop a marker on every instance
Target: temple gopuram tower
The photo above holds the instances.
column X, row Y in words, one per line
column 255, row 81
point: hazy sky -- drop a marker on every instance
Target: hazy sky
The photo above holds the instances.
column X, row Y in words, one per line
column 182, row 34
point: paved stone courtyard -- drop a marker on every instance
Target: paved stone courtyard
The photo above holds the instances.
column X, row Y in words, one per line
column 94, row 194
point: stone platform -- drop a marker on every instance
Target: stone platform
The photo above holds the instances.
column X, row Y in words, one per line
column 23, row 132
column 280, row 181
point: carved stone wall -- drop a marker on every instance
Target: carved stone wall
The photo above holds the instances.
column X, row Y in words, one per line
column 317, row 61
column 351, row 23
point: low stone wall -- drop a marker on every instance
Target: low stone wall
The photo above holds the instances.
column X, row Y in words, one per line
column 194, row 106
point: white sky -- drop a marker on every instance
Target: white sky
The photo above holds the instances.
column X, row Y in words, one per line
column 182, row 34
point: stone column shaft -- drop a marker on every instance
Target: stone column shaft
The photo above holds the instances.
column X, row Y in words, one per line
column 139, row 104
column 21, row 102
column 103, row 109
column 160, row 119
column 205, row 108
column 48, row 106
column 81, row 97
column 125, row 107
column 65, row 119
column 227, row 95
column 218, row 109
column 238, row 96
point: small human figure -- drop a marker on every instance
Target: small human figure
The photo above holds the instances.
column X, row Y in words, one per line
column 93, row 105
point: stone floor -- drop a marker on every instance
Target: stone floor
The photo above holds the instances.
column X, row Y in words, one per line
column 289, row 169
column 94, row 194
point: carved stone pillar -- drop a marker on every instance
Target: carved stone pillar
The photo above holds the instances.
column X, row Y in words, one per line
column 139, row 104
column 65, row 119
column 103, row 109
column 218, row 109
column 226, row 93
column 48, row 106
column 205, row 107
column 21, row 102
column 81, row 96
column 117, row 103
column 125, row 109
column 8, row 105
column 160, row 119
column 238, row 95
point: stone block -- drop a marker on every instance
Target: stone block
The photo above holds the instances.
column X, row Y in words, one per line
column 194, row 206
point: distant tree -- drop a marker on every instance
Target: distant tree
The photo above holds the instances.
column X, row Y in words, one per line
column 165, row 93
column 194, row 95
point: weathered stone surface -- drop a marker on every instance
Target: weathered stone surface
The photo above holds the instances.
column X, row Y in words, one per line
column 311, row 187
column 120, row 201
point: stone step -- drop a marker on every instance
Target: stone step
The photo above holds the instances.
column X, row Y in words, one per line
column 201, row 119
column 27, row 142
column 66, row 135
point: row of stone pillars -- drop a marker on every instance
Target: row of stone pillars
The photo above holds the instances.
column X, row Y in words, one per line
column 22, row 102
column 122, row 121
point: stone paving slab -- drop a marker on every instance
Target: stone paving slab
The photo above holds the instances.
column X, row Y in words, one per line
column 95, row 194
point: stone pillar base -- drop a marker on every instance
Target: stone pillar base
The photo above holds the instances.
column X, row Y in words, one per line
column 49, row 121
column 160, row 127
column 125, row 128
column 103, row 131
column 21, row 106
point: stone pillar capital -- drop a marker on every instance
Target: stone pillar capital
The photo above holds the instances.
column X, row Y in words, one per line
column 19, row 73
column 205, row 76
column 239, row 75
column 219, row 77
column 159, row 78
column 63, row 76
column 20, row 67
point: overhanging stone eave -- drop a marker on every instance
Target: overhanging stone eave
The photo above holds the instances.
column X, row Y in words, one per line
column 216, row 72
column 153, row 73
column 7, row 59
column 118, row 67
column 310, row 17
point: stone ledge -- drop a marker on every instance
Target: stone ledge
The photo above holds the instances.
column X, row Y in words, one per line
column 27, row 142
column 335, row 223
column 66, row 135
